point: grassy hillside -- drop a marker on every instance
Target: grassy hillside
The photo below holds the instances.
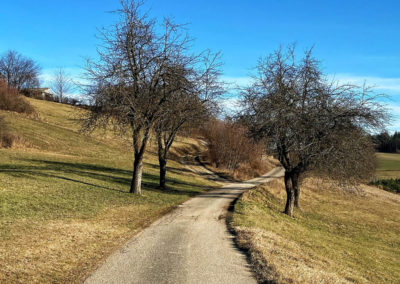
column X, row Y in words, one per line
column 64, row 201
column 388, row 166
column 336, row 237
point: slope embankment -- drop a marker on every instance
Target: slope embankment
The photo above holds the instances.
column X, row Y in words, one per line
column 336, row 237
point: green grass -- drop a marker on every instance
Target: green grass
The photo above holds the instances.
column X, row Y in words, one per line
column 388, row 166
column 64, row 201
column 336, row 237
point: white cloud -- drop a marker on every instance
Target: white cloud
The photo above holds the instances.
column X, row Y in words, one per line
column 237, row 81
column 230, row 104
column 380, row 83
column 48, row 75
column 389, row 86
column 395, row 108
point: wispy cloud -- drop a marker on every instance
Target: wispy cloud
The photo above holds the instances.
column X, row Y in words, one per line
column 389, row 86
column 234, row 82
column 379, row 83
column 395, row 108
column 230, row 104
column 48, row 75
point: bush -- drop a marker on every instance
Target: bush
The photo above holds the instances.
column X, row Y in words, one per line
column 7, row 140
column 11, row 100
column 230, row 148
column 392, row 185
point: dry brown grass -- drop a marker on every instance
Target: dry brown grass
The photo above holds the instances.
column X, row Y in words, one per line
column 11, row 100
column 63, row 251
column 255, row 168
column 244, row 171
column 337, row 236
column 9, row 140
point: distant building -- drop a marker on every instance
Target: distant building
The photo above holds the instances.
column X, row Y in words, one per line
column 38, row 93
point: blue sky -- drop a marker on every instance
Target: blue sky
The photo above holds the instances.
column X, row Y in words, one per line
column 355, row 40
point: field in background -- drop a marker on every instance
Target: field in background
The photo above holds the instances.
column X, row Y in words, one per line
column 64, row 202
column 388, row 166
column 336, row 237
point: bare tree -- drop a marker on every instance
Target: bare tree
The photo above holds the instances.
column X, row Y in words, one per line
column 134, row 77
column 178, row 112
column 312, row 124
column 190, row 105
column 61, row 84
column 19, row 71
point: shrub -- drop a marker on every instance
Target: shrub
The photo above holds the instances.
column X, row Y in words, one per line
column 11, row 100
column 230, row 148
column 392, row 185
column 7, row 140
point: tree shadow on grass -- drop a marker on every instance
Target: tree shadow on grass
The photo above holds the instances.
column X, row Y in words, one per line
column 179, row 171
column 80, row 172
column 170, row 169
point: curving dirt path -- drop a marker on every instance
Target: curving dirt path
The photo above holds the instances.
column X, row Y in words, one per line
column 189, row 245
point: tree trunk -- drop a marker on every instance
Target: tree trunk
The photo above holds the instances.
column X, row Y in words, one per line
column 162, row 159
column 296, row 188
column 289, row 194
column 136, row 184
column 163, row 170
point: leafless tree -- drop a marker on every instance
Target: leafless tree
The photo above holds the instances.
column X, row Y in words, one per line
column 312, row 124
column 194, row 101
column 19, row 71
column 61, row 84
column 135, row 76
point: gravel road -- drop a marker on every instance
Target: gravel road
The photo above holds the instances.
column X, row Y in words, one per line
column 189, row 245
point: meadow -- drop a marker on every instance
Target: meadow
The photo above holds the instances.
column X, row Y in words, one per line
column 336, row 236
column 388, row 165
column 64, row 201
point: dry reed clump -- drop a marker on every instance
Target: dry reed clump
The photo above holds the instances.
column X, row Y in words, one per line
column 13, row 141
column 9, row 140
column 11, row 100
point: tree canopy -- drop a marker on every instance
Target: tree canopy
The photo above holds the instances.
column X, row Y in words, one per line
column 311, row 123
column 145, row 74
column 19, row 71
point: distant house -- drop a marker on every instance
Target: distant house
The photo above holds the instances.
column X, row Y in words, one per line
column 39, row 93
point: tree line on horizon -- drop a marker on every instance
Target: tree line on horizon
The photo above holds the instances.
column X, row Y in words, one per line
column 386, row 143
